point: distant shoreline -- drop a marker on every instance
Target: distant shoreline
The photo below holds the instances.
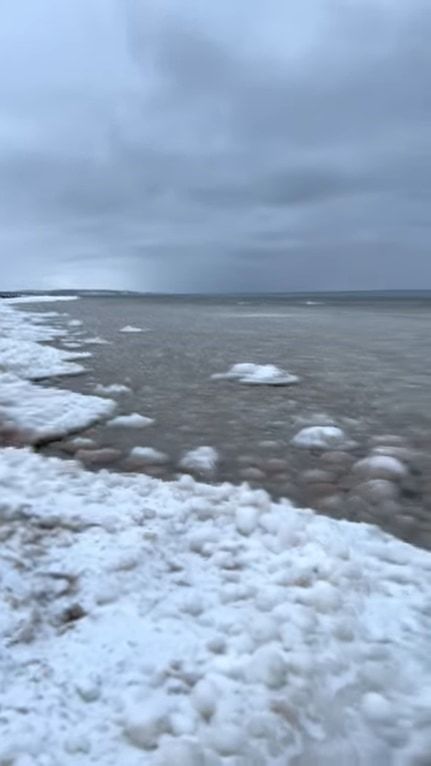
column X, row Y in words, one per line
column 289, row 295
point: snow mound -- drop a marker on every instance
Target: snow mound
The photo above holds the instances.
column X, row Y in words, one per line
column 201, row 460
column 152, row 623
column 257, row 374
column 131, row 328
column 134, row 420
column 320, row 437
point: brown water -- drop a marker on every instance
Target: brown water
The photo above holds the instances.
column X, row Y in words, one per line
column 364, row 365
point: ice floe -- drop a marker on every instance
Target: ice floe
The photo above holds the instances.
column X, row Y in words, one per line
column 95, row 341
column 257, row 374
column 134, row 420
column 320, row 437
column 148, row 455
column 131, row 328
column 113, row 388
column 202, row 460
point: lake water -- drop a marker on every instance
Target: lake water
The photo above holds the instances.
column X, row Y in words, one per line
column 364, row 364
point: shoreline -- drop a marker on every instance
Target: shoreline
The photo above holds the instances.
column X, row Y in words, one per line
column 181, row 622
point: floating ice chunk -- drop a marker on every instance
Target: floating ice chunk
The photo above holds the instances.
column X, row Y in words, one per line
column 201, row 460
column 380, row 467
column 75, row 322
column 96, row 341
column 131, row 328
column 134, row 420
column 71, row 344
column 319, row 437
column 114, row 388
column 149, row 455
column 258, row 374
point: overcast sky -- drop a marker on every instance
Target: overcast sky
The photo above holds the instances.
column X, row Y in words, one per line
column 183, row 145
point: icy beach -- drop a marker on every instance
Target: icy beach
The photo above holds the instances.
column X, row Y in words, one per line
column 187, row 624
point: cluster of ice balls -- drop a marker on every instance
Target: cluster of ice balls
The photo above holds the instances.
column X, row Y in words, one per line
column 274, row 654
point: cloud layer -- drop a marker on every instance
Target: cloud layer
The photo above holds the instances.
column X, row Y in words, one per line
column 186, row 146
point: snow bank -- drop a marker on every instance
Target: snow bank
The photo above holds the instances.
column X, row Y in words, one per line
column 35, row 362
column 193, row 625
column 257, row 374
column 320, row 437
column 47, row 413
column 20, row 349
column 39, row 413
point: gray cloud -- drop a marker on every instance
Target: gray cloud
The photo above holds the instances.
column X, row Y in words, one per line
column 177, row 145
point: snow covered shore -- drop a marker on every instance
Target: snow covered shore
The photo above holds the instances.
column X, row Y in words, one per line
column 34, row 412
column 182, row 624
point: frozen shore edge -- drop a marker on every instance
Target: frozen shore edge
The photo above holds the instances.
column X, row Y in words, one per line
column 148, row 622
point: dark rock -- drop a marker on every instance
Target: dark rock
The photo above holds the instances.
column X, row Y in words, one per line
column 73, row 613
